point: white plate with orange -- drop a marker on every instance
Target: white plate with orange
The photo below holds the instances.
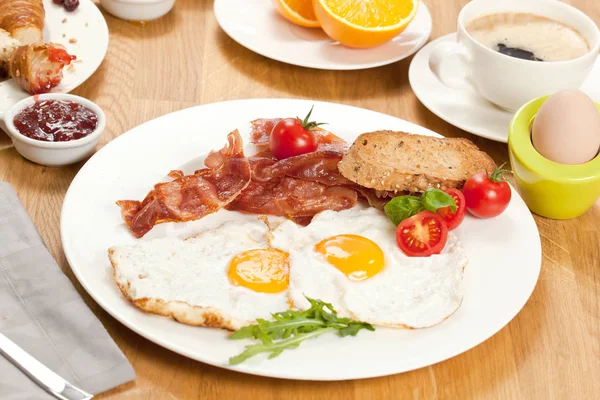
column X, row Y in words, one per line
column 265, row 27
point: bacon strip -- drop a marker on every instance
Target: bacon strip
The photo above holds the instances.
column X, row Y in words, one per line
column 261, row 130
column 293, row 198
column 191, row 197
column 297, row 187
column 318, row 166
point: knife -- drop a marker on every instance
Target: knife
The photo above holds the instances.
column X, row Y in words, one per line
column 39, row 373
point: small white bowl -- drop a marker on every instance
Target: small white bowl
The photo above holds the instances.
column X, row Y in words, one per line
column 137, row 10
column 53, row 154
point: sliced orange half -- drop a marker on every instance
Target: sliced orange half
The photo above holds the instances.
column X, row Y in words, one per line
column 300, row 12
column 364, row 23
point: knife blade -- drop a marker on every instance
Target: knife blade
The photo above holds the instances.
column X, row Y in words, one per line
column 39, row 373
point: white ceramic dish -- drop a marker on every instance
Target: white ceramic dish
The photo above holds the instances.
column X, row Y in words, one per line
column 256, row 25
column 53, row 154
column 137, row 10
column 466, row 109
column 87, row 27
column 504, row 253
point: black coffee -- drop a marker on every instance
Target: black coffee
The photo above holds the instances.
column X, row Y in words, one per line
column 517, row 53
column 528, row 37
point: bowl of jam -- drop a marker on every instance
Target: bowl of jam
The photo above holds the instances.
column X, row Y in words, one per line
column 55, row 129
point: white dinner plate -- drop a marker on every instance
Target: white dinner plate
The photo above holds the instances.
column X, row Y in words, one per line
column 256, row 25
column 83, row 32
column 466, row 109
column 504, row 253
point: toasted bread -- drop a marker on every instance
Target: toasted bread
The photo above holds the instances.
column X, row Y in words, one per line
column 391, row 161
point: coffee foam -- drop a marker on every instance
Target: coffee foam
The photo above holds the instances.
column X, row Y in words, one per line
column 547, row 39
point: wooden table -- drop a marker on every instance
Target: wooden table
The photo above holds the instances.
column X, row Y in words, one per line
column 551, row 350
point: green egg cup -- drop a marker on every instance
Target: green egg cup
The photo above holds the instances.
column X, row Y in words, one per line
column 550, row 189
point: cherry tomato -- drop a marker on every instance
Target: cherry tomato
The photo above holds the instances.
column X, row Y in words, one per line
column 289, row 138
column 422, row 234
column 486, row 196
column 293, row 137
column 453, row 220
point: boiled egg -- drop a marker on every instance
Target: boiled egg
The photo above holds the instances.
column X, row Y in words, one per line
column 566, row 129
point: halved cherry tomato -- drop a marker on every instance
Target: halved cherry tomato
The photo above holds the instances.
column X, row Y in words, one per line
column 453, row 220
column 422, row 234
column 293, row 137
column 487, row 196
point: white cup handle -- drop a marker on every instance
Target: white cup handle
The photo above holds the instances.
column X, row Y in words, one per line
column 444, row 51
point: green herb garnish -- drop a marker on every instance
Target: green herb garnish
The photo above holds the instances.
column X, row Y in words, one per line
column 402, row 207
column 434, row 199
column 290, row 328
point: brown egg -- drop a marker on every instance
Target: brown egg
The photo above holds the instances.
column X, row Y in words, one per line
column 566, row 129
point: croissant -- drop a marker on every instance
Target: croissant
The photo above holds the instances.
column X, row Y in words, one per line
column 7, row 45
column 37, row 68
column 23, row 19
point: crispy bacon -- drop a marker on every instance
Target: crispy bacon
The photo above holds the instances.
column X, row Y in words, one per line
column 191, row 197
column 261, row 130
column 293, row 198
column 319, row 166
column 297, row 187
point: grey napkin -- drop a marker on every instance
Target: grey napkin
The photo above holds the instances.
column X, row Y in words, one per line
column 41, row 311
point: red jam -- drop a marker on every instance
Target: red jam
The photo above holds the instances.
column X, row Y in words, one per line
column 56, row 121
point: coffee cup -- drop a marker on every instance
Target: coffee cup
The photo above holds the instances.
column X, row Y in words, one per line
column 498, row 74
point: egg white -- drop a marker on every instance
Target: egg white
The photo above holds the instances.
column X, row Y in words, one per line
column 194, row 271
column 412, row 292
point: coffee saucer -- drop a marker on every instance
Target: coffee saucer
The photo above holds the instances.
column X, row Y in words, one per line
column 466, row 109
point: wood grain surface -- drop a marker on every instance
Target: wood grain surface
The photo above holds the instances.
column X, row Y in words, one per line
column 551, row 350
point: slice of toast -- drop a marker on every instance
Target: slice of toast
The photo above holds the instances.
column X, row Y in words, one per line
column 391, row 161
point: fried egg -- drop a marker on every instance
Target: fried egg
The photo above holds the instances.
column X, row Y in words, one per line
column 226, row 277
column 351, row 259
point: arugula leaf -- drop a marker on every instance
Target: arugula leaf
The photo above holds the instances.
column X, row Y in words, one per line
column 434, row 199
column 402, row 207
column 244, row 333
column 353, row 328
column 291, row 327
column 276, row 348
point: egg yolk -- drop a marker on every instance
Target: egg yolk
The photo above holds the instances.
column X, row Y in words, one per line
column 356, row 256
column 261, row 270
